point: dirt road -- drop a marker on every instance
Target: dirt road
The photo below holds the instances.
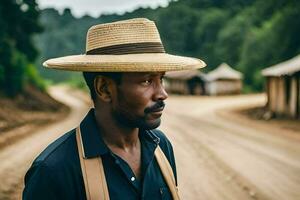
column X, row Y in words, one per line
column 217, row 158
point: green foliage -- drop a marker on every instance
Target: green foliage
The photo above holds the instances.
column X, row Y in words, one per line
column 77, row 81
column 275, row 40
column 63, row 35
column 18, row 22
column 207, row 32
column 1, row 75
column 14, row 75
column 33, row 77
column 230, row 39
column 182, row 19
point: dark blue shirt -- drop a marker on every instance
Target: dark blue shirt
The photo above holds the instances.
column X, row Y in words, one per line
column 56, row 173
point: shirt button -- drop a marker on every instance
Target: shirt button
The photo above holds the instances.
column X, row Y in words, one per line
column 132, row 179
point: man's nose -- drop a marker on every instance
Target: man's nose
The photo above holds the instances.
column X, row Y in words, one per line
column 160, row 92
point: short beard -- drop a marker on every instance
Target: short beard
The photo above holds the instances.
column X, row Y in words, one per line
column 141, row 123
column 125, row 119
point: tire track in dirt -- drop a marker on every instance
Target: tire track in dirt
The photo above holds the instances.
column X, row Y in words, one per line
column 222, row 182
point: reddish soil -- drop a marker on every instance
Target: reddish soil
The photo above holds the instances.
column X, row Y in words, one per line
column 26, row 112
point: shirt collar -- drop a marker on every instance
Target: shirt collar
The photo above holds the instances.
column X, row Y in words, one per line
column 150, row 136
column 93, row 144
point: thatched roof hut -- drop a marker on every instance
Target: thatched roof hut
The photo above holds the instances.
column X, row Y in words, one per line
column 288, row 68
column 185, row 82
column 224, row 71
column 283, row 87
column 224, row 80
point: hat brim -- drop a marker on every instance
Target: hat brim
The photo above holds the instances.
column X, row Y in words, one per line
column 147, row 62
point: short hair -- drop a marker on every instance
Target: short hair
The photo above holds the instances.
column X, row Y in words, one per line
column 89, row 78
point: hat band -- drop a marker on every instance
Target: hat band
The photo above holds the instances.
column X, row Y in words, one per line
column 133, row 48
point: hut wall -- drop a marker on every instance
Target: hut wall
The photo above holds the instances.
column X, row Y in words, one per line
column 196, row 86
column 298, row 98
column 293, row 97
column 281, row 103
column 211, row 88
column 284, row 95
column 166, row 85
column 220, row 87
column 198, row 90
column 272, row 93
column 185, row 87
column 177, row 86
column 267, row 89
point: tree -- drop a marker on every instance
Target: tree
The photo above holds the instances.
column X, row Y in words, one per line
column 18, row 22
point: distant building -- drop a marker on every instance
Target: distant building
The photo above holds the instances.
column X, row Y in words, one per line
column 223, row 80
column 283, row 87
column 185, row 82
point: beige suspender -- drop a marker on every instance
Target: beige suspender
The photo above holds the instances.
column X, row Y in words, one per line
column 94, row 177
column 167, row 172
column 93, row 174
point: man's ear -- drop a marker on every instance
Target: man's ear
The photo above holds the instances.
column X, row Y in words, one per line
column 102, row 87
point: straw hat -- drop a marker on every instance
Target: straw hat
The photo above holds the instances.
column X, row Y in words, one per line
column 124, row 46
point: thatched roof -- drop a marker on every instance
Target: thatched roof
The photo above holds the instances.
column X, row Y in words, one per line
column 224, row 71
column 184, row 75
column 288, row 67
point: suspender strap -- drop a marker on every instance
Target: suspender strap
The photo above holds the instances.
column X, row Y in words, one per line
column 93, row 174
column 94, row 177
column 167, row 172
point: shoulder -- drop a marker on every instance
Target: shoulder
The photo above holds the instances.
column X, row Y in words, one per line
column 51, row 170
column 58, row 160
column 59, row 151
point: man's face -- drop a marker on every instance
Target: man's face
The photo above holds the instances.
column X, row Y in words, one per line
column 139, row 100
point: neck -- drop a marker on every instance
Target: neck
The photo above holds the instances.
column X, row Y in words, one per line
column 114, row 134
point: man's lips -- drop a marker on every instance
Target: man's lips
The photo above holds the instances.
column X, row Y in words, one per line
column 157, row 107
column 158, row 110
column 156, row 113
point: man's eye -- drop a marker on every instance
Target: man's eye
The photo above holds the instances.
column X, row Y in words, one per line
column 146, row 82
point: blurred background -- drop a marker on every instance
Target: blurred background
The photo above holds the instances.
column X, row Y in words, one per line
column 242, row 111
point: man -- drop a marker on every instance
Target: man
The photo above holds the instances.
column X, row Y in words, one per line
column 116, row 152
